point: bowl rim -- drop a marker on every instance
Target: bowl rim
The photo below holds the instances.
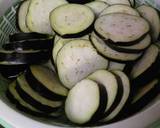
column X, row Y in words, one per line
column 142, row 119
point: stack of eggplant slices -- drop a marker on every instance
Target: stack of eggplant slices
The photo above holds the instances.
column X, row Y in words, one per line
column 91, row 61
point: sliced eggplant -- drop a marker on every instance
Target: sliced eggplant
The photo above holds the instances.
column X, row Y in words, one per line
column 139, row 46
column 76, row 60
column 33, row 98
column 61, row 42
column 38, row 15
column 120, row 8
column 124, row 98
column 22, row 13
column 144, row 95
column 142, row 91
column 147, row 67
column 14, row 97
column 11, row 71
column 97, row 6
column 72, row 20
column 109, row 81
column 16, row 37
column 118, row 98
column 79, row 1
column 85, row 100
column 29, row 45
column 142, row 45
column 122, row 49
column 110, row 53
column 116, row 66
column 152, row 16
column 121, row 29
column 112, row 2
column 46, row 83
column 23, row 57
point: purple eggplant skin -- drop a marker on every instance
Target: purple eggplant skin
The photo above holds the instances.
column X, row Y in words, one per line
column 79, row 1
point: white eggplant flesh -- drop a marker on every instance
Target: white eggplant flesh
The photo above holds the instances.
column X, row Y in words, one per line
column 38, row 15
column 119, row 8
column 152, row 16
column 76, row 60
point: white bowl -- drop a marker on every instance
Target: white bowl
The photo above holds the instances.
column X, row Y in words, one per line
column 17, row 119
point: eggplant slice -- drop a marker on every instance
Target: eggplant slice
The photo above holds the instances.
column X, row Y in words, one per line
column 38, row 15
column 72, row 20
column 60, row 43
column 123, row 99
column 79, row 1
column 29, row 45
column 152, row 16
column 142, row 45
column 21, row 16
column 85, row 100
column 21, row 105
column 97, row 6
column 121, row 29
column 10, row 71
column 144, row 95
column 109, row 81
column 112, row 2
column 119, row 8
column 46, row 83
column 33, row 98
column 147, row 67
column 24, row 57
column 110, row 53
column 16, row 37
column 76, row 60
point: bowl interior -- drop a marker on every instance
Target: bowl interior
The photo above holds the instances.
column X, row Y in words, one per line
column 8, row 26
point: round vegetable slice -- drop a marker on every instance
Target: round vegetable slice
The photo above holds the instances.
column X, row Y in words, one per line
column 142, row 45
column 84, row 100
column 23, row 57
column 112, row 2
column 124, row 98
column 147, row 68
column 72, row 20
column 79, row 1
column 60, row 43
column 110, row 53
column 146, row 61
column 76, row 60
column 38, row 15
column 33, row 98
column 152, row 16
column 46, row 83
column 109, row 81
column 15, row 98
column 121, row 28
column 120, row 8
column 28, row 36
column 97, row 6
column 11, row 71
column 22, row 13
column 143, row 96
column 29, row 45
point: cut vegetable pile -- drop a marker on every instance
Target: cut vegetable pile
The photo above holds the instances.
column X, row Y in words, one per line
column 92, row 62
